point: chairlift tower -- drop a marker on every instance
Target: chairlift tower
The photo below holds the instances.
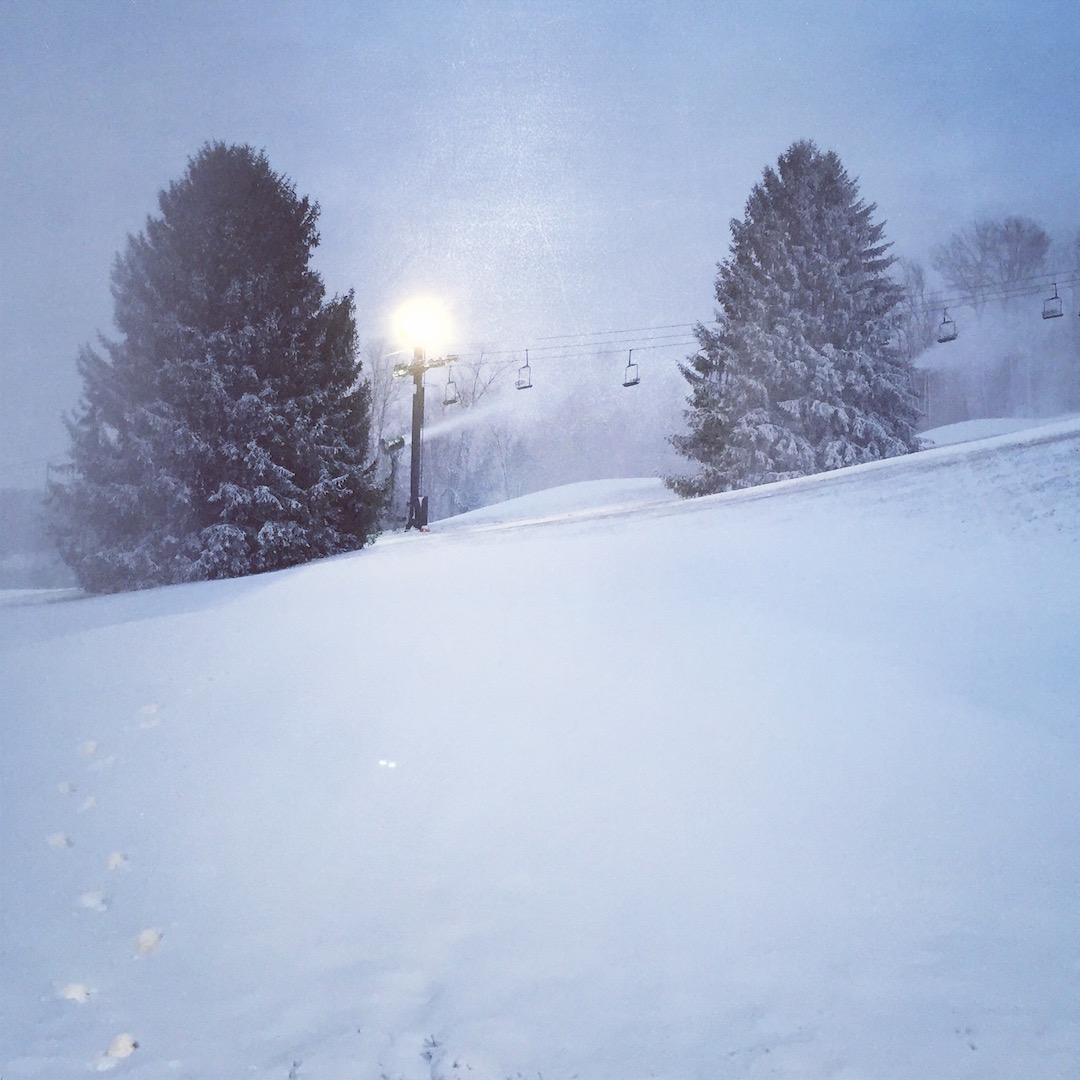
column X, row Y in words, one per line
column 418, row 504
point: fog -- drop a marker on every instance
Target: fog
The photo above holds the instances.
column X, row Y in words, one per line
column 545, row 168
column 1006, row 361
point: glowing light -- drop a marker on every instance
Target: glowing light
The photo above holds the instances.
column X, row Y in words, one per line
column 424, row 323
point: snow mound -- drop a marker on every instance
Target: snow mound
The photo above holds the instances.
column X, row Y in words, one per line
column 587, row 496
column 986, row 428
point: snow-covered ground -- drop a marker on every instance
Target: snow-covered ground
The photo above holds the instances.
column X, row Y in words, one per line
column 587, row 498
column 775, row 783
column 985, row 428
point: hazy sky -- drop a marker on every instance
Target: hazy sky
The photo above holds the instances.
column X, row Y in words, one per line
column 546, row 167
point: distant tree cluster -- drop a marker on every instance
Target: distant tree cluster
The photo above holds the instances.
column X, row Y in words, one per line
column 225, row 431
column 1007, row 361
column 802, row 373
column 991, row 256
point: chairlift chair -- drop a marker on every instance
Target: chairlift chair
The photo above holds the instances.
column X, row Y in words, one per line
column 947, row 330
column 631, row 376
column 450, row 394
column 1052, row 306
column 524, row 375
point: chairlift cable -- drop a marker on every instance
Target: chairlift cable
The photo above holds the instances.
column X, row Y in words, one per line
column 624, row 330
column 592, row 345
column 1006, row 291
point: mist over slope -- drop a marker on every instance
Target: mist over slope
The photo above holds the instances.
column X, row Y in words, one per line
column 778, row 782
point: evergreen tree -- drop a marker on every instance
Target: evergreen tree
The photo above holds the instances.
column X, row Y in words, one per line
column 800, row 374
column 225, row 431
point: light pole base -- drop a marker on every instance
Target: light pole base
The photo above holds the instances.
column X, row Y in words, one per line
column 418, row 513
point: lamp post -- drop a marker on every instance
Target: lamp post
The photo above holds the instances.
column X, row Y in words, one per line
column 418, row 504
column 423, row 321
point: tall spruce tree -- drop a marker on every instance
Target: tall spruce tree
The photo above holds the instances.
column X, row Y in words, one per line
column 225, row 431
column 800, row 374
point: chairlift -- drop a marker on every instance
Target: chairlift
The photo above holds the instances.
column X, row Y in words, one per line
column 947, row 330
column 631, row 376
column 450, row 394
column 524, row 375
column 1052, row 306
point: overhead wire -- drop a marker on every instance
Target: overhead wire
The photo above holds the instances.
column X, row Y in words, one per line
column 591, row 345
column 1014, row 290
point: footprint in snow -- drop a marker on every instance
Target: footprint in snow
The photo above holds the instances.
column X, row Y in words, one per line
column 67, row 788
column 93, row 901
column 60, row 840
column 147, row 942
column 118, row 861
column 90, row 749
column 123, row 1046
column 149, row 717
column 87, row 804
column 79, row 993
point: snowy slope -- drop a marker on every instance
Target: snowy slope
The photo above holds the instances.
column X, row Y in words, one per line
column 986, row 428
column 781, row 782
column 587, row 498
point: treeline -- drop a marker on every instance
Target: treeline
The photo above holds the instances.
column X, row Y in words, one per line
column 1012, row 354
column 236, row 424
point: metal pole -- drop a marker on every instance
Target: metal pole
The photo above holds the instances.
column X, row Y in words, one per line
column 417, row 506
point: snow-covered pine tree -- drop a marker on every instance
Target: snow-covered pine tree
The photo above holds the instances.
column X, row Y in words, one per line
column 225, row 431
column 800, row 374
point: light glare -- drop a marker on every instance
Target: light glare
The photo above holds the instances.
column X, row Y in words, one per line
column 423, row 322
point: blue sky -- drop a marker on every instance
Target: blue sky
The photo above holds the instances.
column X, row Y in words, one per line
column 548, row 168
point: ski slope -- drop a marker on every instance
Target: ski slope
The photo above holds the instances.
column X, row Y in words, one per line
column 598, row 784
column 984, row 428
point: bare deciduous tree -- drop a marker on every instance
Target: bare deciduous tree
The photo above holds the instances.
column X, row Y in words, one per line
column 389, row 404
column 988, row 256
column 917, row 320
column 471, row 464
column 377, row 363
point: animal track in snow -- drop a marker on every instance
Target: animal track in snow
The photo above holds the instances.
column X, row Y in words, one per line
column 118, row 861
column 385, row 764
column 93, row 901
column 147, row 942
column 60, row 840
column 87, row 804
column 66, row 788
column 89, row 748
